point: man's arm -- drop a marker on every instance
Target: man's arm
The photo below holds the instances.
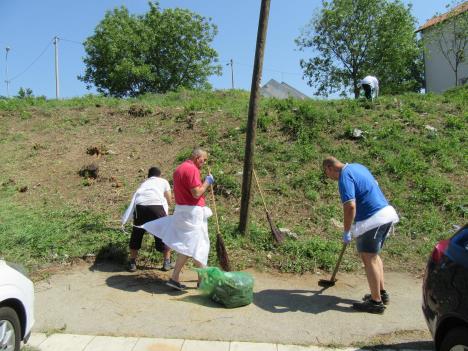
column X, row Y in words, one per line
column 168, row 196
column 349, row 212
column 200, row 190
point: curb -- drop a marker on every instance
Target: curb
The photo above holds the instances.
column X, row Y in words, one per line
column 74, row 342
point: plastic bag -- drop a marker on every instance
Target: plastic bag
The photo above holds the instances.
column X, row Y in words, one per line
column 231, row 289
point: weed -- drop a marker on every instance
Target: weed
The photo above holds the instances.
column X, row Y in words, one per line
column 421, row 171
column 168, row 139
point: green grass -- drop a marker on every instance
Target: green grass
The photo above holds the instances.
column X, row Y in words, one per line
column 421, row 171
column 39, row 235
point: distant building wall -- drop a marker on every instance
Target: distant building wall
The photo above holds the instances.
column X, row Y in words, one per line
column 281, row 91
column 439, row 75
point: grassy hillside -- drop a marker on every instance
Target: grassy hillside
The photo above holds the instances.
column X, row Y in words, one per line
column 414, row 144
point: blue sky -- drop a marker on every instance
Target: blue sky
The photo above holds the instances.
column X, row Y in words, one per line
column 27, row 27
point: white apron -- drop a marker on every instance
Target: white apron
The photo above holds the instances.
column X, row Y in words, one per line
column 381, row 217
column 185, row 232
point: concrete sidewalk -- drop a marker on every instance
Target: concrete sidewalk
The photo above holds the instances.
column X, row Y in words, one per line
column 73, row 342
column 287, row 309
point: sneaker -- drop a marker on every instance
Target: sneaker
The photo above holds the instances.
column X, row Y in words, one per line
column 370, row 306
column 167, row 266
column 383, row 294
column 132, row 266
column 176, row 285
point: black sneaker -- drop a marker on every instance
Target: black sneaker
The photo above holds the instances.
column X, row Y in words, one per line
column 176, row 285
column 370, row 306
column 383, row 294
column 132, row 266
column 167, row 266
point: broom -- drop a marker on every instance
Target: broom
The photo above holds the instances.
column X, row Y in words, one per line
column 221, row 252
column 278, row 235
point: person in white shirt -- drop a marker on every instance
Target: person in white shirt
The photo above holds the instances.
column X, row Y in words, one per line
column 150, row 201
column 370, row 84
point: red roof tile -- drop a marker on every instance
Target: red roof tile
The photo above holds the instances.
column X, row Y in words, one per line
column 437, row 19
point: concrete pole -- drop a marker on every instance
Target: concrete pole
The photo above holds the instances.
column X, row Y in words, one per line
column 57, row 85
column 7, row 49
column 232, row 74
column 252, row 119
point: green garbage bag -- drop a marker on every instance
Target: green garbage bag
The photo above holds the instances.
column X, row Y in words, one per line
column 231, row 289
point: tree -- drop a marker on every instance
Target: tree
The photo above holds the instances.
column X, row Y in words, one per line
column 159, row 51
column 450, row 36
column 354, row 38
column 397, row 56
column 25, row 93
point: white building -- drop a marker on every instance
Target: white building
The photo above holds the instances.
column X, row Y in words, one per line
column 437, row 35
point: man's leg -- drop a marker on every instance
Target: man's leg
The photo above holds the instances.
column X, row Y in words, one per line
column 174, row 282
column 374, row 269
column 381, row 274
column 134, row 245
column 133, row 254
column 199, row 265
column 167, row 253
column 180, row 262
column 367, row 91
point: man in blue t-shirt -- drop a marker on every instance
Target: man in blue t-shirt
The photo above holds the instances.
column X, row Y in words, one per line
column 368, row 217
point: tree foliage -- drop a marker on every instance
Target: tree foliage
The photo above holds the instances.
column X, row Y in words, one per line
column 354, row 38
column 159, row 51
column 24, row 93
column 450, row 36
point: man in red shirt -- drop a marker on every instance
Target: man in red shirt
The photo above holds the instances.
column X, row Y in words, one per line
column 186, row 231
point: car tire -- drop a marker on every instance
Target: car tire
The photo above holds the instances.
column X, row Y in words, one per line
column 9, row 323
column 455, row 337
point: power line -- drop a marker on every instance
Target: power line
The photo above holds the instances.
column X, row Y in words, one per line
column 71, row 41
column 268, row 69
column 32, row 63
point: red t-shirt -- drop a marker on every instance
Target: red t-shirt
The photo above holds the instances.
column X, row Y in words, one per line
column 186, row 177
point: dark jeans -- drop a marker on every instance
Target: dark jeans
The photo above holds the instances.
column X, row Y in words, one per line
column 367, row 91
column 372, row 241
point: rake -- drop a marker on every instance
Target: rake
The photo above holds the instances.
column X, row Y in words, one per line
column 278, row 235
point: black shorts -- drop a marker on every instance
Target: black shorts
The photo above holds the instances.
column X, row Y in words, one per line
column 141, row 215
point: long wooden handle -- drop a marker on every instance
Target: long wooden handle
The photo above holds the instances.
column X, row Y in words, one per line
column 214, row 204
column 338, row 262
column 260, row 190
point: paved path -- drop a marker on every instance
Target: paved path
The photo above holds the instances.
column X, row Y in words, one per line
column 73, row 342
column 287, row 309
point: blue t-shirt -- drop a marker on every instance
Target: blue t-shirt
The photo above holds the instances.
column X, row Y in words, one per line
column 357, row 183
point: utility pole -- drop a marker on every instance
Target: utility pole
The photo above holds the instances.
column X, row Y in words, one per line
column 7, row 49
column 232, row 74
column 57, row 87
column 252, row 119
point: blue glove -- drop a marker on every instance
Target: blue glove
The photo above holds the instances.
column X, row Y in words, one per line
column 210, row 179
column 347, row 237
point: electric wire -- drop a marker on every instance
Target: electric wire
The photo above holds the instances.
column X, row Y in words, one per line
column 70, row 41
column 33, row 62
column 268, row 69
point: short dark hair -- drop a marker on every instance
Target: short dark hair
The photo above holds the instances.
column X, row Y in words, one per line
column 154, row 172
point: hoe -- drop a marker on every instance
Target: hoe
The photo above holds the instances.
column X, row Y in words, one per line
column 328, row 283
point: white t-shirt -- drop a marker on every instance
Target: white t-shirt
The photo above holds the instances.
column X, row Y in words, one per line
column 150, row 192
column 373, row 83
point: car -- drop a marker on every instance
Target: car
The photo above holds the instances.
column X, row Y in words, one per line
column 16, row 306
column 445, row 293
